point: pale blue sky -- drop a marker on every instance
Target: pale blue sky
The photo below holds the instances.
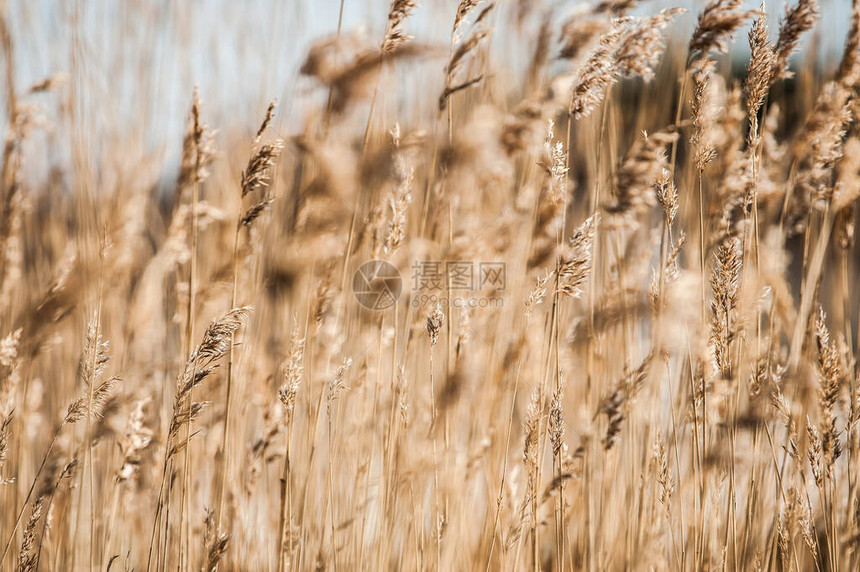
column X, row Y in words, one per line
column 138, row 60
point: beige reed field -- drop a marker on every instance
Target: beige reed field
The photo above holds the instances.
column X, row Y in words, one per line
column 593, row 307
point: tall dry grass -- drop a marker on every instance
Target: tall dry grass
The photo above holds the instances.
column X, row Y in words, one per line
column 667, row 379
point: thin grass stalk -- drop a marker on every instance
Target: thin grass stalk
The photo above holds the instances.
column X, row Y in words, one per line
column 89, row 434
column 50, row 448
column 185, row 531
